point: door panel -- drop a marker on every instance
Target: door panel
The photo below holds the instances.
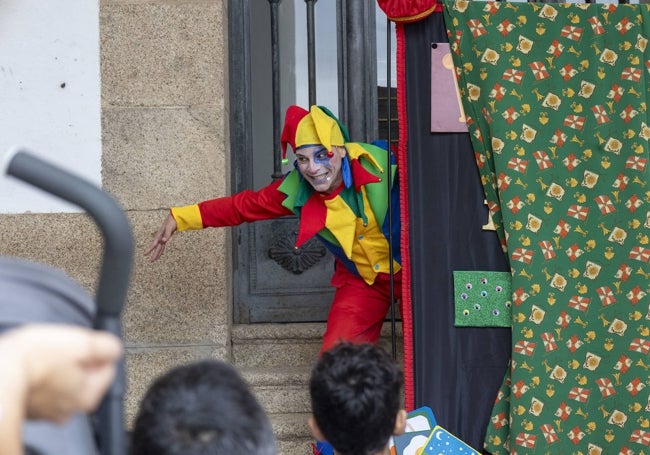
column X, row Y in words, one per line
column 277, row 282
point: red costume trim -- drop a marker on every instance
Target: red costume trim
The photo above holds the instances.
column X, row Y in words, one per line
column 313, row 217
column 361, row 176
column 407, row 314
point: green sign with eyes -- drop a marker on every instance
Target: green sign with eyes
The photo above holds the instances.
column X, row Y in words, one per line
column 482, row 299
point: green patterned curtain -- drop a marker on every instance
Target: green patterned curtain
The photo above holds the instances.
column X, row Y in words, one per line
column 556, row 96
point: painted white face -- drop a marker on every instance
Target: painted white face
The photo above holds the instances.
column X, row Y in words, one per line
column 323, row 172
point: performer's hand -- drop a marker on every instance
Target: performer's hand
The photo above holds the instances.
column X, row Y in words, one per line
column 162, row 237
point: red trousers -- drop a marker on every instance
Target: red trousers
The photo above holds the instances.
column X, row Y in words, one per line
column 359, row 309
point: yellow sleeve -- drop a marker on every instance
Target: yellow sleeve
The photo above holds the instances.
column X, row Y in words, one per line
column 187, row 217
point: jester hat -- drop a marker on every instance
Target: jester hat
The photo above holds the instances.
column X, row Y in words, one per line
column 316, row 126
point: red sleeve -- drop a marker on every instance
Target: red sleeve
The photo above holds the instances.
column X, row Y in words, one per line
column 245, row 206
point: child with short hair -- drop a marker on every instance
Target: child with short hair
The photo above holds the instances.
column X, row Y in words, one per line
column 201, row 408
column 356, row 399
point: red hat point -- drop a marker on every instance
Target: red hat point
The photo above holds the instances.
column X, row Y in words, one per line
column 291, row 120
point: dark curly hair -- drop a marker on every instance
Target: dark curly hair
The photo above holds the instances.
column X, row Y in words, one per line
column 355, row 397
column 201, row 408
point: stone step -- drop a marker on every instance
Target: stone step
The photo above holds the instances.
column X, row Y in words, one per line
column 269, row 345
column 298, row 446
column 276, row 361
column 283, row 392
column 291, row 426
column 280, row 390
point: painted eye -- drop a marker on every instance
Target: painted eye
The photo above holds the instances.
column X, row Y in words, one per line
column 468, row 286
column 508, row 304
column 464, row 296
column 483, row 293
column 484, row 280
column 477, row 307
column 498, row 289
column 495, row 312
column 466, row 312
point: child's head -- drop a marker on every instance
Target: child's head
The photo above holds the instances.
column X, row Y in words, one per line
column 202, row 408
column 356, row 399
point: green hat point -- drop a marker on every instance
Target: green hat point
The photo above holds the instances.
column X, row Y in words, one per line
column 285, row 161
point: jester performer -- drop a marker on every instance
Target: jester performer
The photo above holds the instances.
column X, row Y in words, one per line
column 339, row 191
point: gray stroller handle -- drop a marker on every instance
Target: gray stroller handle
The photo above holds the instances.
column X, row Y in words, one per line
column 109, row 216
column 114, row 276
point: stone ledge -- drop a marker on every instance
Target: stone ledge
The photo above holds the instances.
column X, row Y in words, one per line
column 293, row 344
column 278, row 332
column 300, row 446
column 279, row 375
column 290, row 426
column 292, row 331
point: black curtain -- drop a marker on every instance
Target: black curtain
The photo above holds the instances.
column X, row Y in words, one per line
column 457, row 371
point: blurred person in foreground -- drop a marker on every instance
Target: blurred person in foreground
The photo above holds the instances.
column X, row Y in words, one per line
column 51, row 372
column 201, row 408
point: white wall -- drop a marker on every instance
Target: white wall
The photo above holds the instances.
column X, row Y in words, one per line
column 49, row 93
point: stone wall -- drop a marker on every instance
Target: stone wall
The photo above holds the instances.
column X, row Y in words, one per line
column 164, row 123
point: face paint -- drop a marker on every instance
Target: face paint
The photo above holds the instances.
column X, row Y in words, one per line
column 319, row 157
column 322, row 171
column 323, row 157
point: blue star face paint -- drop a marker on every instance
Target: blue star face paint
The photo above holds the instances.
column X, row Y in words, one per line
column 321, row 170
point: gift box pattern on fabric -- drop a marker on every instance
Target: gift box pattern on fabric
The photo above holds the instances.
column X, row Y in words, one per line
column 556, row 99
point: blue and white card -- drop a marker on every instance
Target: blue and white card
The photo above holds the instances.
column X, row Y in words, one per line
column 419, row 424
column 442, row 442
